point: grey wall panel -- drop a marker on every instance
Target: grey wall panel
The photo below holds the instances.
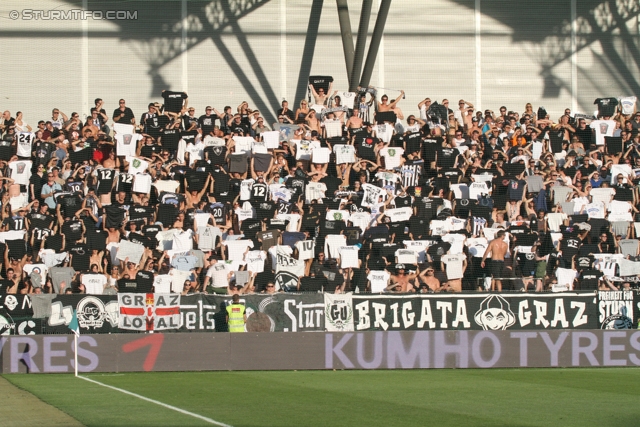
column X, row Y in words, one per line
column 253, row 49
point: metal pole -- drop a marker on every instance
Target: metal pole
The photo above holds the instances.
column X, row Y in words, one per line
column 347, row 35
column 309, row 48
column 361, row 42
column 75, row 352
column 375, row 42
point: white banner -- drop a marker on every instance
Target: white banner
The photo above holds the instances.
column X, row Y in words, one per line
column 338, row 311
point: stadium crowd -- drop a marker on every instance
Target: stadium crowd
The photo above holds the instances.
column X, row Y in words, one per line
column 344, row 194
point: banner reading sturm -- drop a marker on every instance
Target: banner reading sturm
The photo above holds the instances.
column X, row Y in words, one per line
column 476, row 311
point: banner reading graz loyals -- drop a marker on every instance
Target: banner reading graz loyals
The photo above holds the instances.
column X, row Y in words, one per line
column 476, row 311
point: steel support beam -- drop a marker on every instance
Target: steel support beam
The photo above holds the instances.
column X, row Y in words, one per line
column 361, row 42
column 347, row 35
column 309, row 49
column 378, row 30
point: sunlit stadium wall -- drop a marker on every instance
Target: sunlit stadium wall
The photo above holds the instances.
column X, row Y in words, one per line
column 554, row 53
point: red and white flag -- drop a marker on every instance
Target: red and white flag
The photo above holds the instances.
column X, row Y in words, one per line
column 149, row 312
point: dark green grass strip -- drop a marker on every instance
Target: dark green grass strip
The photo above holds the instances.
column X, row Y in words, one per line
column 528, row 397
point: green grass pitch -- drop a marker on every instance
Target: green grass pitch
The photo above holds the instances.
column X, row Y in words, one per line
column 494, row 397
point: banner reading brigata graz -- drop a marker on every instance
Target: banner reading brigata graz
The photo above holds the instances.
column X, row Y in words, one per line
column 493, row 311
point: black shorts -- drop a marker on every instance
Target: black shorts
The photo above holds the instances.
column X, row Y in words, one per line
column 496, row 268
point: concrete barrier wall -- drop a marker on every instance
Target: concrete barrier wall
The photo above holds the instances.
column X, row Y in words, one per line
column 339, row 350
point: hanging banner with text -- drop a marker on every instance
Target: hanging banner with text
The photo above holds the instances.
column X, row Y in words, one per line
column 476, row 311
column 289, row 312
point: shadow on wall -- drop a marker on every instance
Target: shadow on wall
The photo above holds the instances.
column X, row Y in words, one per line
column 159, row 40
column 600, row 24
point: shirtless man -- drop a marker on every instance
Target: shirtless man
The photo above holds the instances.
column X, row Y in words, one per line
column 312, row 122
column 320, row 97
column 402, row 282
column 355, row 122
column 497, row 248
column 429, row 279
column 383, row 106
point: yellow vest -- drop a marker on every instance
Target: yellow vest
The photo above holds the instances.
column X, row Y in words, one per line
column 236, row 317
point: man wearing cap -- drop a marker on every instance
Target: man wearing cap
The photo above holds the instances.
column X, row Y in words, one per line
column 207, row 121
column 236, row 315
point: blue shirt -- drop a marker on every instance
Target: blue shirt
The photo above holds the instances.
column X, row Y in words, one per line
column 47, row 189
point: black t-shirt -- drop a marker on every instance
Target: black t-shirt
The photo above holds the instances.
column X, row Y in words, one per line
column 80, row 257
column 297, row 184
column 265, row 209
column 39, row 234
column 584, row 262
column 589, row 279
column 446, row 157
column 606, row 106
column 170, row 139
column 259, row 192
column 150, row 231
column 287, row 113
column 137, row 212
column 585, row 136
column 313, row 284
column 105, row 180
column 124, row 117
column 436, row 251
column 173, row 100
column 527, row 263
column 196, row 179
column 145, row 281
column 54, row 242
column 366, row 148
column 310, row 221
column 153, row 124
column 221, row 182
column 128, row 286
column 96, row 239
column 44, row 151
column 207, row 123
column 430, row 147
column 15, row 223
column 37, row 181
column 149, row 150
column 72, row 230
column 115, row 216
column 216, row 154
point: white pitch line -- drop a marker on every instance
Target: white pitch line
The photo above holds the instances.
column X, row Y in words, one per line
column 182, row 411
